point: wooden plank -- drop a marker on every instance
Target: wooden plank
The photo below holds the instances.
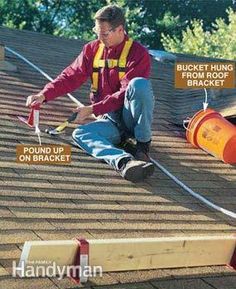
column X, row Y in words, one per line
column 163, row 253
column 136, row 254
column 61, row 252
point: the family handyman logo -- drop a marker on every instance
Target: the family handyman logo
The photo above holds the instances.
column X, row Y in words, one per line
column 52, row 269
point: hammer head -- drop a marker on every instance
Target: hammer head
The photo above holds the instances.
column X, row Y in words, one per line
column 52, row 131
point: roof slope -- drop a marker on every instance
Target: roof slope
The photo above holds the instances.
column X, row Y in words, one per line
column 184, row 103
column 87, row 198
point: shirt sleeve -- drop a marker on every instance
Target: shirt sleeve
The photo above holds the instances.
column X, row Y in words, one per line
column 139, row 65
column 71, row 78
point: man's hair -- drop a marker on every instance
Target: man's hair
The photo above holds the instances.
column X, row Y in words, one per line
column 112, row 14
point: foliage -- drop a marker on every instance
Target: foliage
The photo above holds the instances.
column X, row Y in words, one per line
column 58, row 17
column 172, row 16
column 219, row 42
column 146, row 19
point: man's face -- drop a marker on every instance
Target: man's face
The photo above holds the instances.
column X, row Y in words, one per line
column 108, row 35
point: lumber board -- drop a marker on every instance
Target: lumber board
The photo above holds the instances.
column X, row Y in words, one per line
column 136, row 254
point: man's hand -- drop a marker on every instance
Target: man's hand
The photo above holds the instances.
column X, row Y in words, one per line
column 36, row 98
column 85, row 114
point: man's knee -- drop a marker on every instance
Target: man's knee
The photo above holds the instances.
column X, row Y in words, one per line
column 139, row 83
column 140, row 88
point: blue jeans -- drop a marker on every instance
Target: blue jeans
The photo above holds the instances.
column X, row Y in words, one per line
column 99, row 138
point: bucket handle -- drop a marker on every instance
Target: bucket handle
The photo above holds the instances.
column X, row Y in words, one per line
column 186, row 122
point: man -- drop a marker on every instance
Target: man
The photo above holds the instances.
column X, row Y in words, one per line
column 120, row 92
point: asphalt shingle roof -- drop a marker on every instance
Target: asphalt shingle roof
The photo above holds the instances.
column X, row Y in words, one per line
column 87, row 198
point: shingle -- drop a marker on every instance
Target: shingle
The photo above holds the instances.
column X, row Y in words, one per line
column 5, row 212
column 78, row 224
column 17, row 223
column 163, row 207
column 139, row 276
column 3, row 272
column 182, row 284
column 29, row 283
column 226, row 282
column 198, row 272
column 17, row 236
column 9, row 251
column 129, row 286
column 63, row 234
column 36, row 212
column 117, row 234
column 67, row 283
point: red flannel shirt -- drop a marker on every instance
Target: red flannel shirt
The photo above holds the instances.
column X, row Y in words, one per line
column 111, row 90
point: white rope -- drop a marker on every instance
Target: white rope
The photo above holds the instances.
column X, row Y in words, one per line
column 165, row 171
column 194, row 194
column 40, row 71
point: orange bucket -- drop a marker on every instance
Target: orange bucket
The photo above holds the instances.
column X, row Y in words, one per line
column 210, row 131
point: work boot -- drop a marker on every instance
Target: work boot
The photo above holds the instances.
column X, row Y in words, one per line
column 134, row 170
column 142, row 151
column 128, row 145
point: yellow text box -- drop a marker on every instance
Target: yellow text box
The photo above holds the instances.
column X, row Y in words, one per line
column 43, row 154
column 215, row 75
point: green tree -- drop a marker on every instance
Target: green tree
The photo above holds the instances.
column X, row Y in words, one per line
column 146, row 19
column 71, row 18
column 172, row 16
column 219, row 42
